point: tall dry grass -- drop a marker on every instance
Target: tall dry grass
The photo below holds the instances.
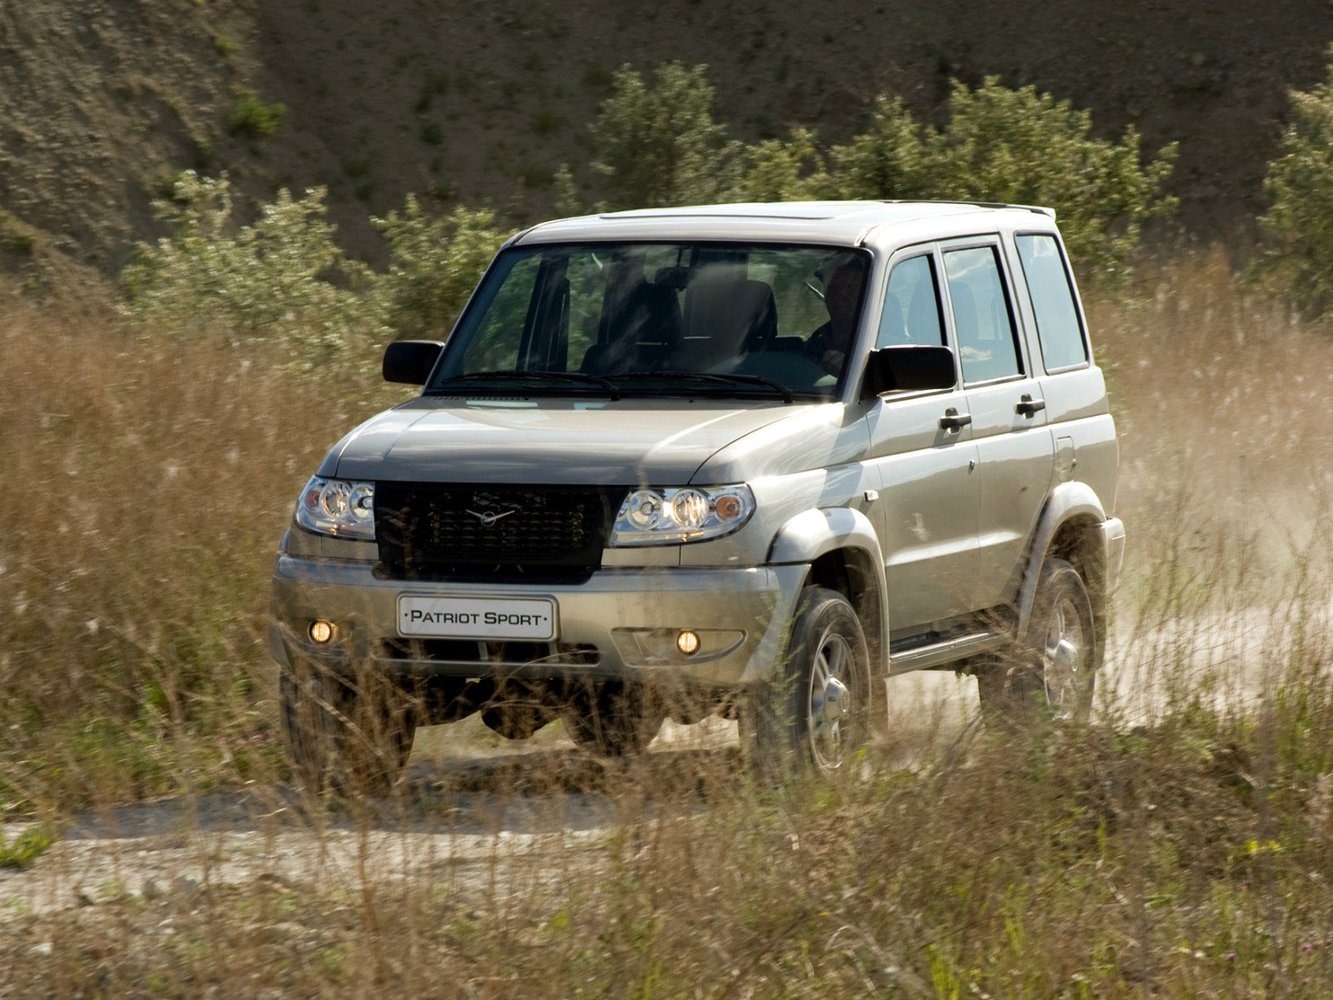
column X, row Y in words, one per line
column 1180, row 846
column 149, row 481
column 1224, row 485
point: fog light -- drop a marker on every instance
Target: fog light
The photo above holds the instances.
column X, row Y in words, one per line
column 687, row 641
column 321, row 631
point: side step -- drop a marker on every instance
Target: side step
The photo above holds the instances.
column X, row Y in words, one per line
column 946, row 651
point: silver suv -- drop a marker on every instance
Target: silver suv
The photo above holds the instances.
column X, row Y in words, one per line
column 748, row 459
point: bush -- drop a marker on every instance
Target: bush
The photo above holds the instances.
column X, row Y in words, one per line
column 778, row 170
column 659, row 145
column 435, row 264
column 282, row 278
column 1298, row 228
column 1014, row 146
column 255, row 117
column 888, row 160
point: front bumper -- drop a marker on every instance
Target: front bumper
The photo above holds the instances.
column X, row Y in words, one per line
column 621, row 623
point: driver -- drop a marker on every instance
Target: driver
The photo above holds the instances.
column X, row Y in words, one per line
column 842, row 275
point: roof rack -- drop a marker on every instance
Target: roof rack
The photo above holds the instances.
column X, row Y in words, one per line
column 1039, row 209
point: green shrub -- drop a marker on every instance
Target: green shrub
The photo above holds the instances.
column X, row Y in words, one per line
column 435, row 262
column 1297, row 230
column 16, row 236
column 282, row 278
column 254, row 117
column 659, row 145
column 25, row 848
column 888, row 160
column 1016, row 146
column 784, row 170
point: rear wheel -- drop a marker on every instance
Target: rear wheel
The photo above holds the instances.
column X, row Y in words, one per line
column 816, row 713
column 351, row 735
column 1052, row 675
column 613, row 718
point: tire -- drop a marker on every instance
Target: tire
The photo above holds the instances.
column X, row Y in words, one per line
column 1052, row 674
column 343, row 735
column 815, row 714
column 613, row 718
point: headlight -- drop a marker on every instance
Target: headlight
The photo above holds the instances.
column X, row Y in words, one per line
column 683, row 514
column 337, row 507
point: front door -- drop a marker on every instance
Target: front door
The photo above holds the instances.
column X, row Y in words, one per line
column 923, row 454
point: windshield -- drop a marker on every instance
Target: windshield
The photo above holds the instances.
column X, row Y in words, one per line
column 659, row 319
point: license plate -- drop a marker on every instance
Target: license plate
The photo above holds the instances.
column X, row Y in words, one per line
column 476, row 617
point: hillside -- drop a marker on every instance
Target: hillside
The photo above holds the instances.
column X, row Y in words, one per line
column 102, row 100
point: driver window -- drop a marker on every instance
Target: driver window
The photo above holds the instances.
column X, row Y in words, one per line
column 912, row 306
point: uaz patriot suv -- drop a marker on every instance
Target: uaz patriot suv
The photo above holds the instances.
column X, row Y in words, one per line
column 748, row 459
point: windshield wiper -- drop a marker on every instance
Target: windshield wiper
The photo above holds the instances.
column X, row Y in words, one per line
column 529, row 376
column 726, row 377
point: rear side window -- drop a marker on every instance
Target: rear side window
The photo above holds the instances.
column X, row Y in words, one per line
column 981, row 314
column 912, row 306
column 1058, row 329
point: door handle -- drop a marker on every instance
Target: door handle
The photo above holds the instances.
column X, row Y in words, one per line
column 954, row 421
column 1027, row 406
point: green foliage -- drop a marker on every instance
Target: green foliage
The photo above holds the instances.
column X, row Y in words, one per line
column 16, row 236
column 1298, row 227
column 435, row 264
column 568, row 201
column 1028, row 148
column 284, row 279
column 659, row 145
column 778, row 170
column 254, row 117
column 888, row 160
column 25, row 848
column 281, row 278
column 1016, row 146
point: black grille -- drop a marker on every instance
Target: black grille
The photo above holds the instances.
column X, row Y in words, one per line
column 430, row 531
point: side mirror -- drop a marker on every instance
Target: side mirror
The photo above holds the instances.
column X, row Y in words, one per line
column 410, row 361
column 908, row 368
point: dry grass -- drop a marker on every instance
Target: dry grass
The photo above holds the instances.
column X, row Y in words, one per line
column 149, row 482
column 1182, row 846
column 1223, row 485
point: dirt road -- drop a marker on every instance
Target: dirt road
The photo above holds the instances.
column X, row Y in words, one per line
column 483, row 815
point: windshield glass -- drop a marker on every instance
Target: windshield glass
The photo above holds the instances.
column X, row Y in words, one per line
column 659, row 319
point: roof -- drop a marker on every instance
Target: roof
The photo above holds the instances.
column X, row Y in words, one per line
column 844, row 223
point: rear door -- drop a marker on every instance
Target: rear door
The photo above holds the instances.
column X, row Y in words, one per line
column 1009, row 420
column 1071, row 385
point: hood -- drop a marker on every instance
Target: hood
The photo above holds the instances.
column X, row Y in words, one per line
column 561, row 442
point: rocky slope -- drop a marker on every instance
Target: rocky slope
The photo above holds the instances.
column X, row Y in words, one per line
column 101, row 101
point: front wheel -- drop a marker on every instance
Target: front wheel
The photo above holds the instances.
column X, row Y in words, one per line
column 815, row 714
column 1052, row 674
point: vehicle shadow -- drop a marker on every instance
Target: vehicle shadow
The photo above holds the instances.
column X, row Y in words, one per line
column 522, row 792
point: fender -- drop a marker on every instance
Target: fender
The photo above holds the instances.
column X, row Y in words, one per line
column 1067, row 501
column 813, row 533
